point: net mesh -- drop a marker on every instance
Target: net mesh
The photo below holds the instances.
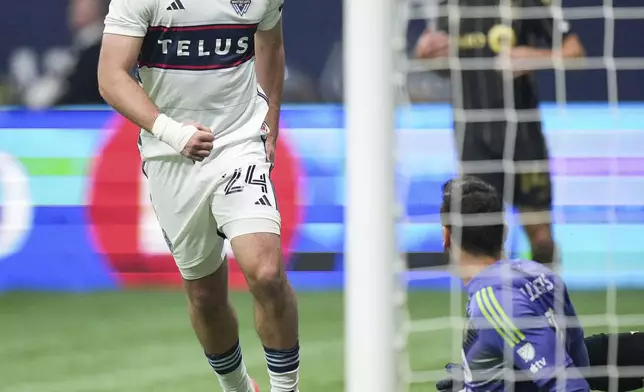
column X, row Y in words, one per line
column 429, row 337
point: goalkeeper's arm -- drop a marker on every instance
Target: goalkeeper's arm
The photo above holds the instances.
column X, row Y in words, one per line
column 630, row 355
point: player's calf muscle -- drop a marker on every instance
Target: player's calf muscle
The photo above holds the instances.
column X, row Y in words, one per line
column 212, row 316
column 215, row 326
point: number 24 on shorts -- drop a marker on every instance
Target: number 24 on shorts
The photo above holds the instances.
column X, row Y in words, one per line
column 233, row 185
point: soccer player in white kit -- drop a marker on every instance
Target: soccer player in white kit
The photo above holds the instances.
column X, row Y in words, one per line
column 210, row 76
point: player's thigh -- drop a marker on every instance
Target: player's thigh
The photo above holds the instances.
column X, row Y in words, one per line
column 533, row 186
column 249, row 218
column 259, row 255
column 246, row 209
column 533, row 200
column 183, row 211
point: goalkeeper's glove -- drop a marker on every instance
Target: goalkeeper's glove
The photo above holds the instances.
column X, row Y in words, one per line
column 454, row 380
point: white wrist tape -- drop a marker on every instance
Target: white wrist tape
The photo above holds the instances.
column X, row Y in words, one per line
column 172, row 132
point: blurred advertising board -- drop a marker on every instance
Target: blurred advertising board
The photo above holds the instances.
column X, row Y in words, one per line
column 75, row 214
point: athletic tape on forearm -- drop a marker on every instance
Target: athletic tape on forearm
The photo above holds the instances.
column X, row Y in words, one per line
column 172, row 132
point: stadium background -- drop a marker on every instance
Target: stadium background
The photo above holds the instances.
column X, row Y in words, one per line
column 74, row 215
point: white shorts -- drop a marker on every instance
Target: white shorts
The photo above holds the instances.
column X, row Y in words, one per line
column 200, row 204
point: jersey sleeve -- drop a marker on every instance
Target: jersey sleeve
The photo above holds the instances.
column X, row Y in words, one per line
column 533, row 349
column 129, row 17
column 545, row 29
column 272, row 15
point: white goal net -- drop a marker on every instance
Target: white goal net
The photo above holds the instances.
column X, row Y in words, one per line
column 597, row 176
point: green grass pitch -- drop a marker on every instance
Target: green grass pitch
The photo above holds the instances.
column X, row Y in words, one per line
column 141, row 341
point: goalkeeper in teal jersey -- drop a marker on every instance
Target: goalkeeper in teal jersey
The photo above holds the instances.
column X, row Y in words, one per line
column 521, row 324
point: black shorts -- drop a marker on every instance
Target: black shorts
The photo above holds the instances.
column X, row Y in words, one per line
column 486, row 142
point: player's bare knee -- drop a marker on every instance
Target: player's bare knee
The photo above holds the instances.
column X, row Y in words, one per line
column 206, row 296
column 543, row 251
column 541, row 243
column 259, row 255
column 543, row 255
column 267, row 279
column 207, row 305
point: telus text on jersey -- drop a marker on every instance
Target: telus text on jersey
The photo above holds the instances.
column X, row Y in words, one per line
column 221, row 47
column 198, row 47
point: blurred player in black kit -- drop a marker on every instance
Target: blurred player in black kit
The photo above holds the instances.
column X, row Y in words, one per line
column 483, row 130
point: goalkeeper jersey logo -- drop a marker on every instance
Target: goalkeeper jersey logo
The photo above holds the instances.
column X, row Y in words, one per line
column 526, row 352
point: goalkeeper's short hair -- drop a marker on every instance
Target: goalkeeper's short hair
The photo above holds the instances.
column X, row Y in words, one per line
column 465, row 197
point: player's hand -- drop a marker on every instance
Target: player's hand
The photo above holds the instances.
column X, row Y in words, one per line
column 200, row 144
column 270, row 150
column 519, row 58
column 454, row 380
column 432, row 44
column 191, row 140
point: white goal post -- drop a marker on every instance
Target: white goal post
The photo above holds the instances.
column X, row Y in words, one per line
column 370, row 210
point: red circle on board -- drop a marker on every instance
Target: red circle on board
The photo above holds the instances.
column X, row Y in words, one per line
column 115, row 207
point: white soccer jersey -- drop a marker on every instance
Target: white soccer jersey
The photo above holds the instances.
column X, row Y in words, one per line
column 197, row 62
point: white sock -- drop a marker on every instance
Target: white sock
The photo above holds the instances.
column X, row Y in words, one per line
column 230, row 370
column 285, row 382
column 283, row 369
